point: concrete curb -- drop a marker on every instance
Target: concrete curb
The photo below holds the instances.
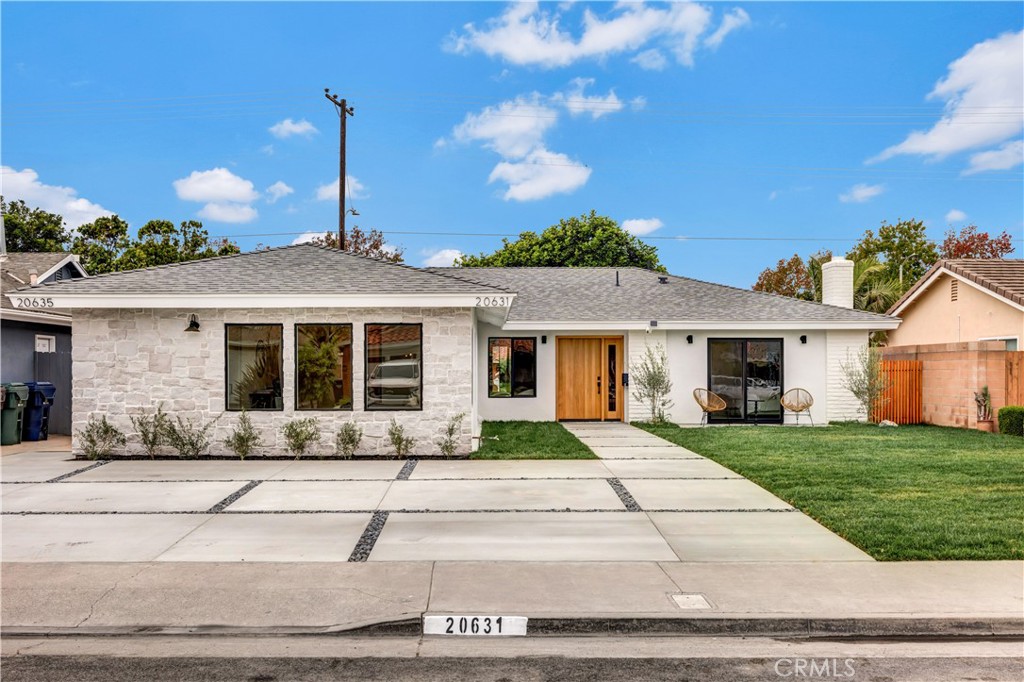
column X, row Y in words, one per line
column 548, row 627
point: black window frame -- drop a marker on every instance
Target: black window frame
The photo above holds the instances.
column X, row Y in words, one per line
column 366, row 367
column 782, row 377
column 351, row 378
column 227, row 382
column 487, row 373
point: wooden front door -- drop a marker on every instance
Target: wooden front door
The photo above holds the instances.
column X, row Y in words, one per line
column 588, row 384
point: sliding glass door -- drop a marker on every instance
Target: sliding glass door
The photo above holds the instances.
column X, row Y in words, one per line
column 747, row 374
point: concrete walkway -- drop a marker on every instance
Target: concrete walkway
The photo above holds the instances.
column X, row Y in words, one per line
column 629, row 506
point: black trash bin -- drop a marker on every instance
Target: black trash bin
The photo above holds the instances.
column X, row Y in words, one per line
column 36, row 423
column 16, row 395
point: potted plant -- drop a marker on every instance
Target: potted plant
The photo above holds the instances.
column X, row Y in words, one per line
column 983, row 401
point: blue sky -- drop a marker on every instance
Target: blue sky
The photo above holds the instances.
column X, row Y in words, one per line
column 761, row 120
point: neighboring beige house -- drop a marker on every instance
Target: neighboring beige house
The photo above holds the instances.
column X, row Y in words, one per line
column 964, row 300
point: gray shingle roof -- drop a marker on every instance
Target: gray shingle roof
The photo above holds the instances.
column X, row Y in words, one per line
column 16, row 269
column 590, row 295
column 303, row 269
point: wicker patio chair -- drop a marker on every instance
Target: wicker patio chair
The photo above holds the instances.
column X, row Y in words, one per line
column 709, row 403
column 797, row 401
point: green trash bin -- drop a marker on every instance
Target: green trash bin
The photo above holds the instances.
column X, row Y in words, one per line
column 13, row 413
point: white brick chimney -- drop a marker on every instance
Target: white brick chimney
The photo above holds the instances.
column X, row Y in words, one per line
column 837, row 283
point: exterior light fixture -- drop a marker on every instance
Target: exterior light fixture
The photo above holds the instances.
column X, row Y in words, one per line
column 689, row 338
column 193, row 323
column 803, row 338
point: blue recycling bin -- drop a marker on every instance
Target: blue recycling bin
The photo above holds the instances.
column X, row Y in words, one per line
column 36, row 422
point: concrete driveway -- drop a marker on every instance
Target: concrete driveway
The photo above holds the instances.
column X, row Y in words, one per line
column 645, row 500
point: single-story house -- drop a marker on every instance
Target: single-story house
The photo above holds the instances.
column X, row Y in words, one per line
column 311, row 331
column 964, row 300
column 36, row 343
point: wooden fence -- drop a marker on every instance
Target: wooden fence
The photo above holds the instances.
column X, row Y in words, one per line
column 903, row 400
column 1015, row 377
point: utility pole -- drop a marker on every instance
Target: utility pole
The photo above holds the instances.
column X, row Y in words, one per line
column 343, row 111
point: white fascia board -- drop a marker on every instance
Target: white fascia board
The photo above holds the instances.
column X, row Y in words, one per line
column 72, row 259
column 41, row 318
column 960, row 278
column 208, row 301
column 517, row 325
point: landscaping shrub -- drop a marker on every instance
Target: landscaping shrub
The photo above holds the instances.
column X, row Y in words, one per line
column 653, row 386
column 151, row 430
column 190, row 439
column 299, row 434
column 1011, row 420
column 399, row 441
column 450, row 440
column 244, row 438
column 100, row 437
column 347, row 441
column 864, row 378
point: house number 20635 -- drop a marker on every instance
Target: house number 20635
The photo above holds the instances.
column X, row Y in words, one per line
column 33, row 302
column 492, row 301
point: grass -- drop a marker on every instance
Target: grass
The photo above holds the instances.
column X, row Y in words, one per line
column 913, row 492
column 530, row 440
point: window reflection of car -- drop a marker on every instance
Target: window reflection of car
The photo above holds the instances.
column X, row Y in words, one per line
column 396, row 382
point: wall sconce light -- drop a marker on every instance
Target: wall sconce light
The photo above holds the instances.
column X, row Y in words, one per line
column 689, row 338
column 803, row 338
column 543, row 339
column 193, row 323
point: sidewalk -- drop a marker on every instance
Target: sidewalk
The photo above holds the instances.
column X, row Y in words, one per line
column 845, row 598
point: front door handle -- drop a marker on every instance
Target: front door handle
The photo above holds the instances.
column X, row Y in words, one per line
column 599, row 385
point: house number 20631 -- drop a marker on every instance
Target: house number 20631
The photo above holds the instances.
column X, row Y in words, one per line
column 33, row 302
column 492, row 301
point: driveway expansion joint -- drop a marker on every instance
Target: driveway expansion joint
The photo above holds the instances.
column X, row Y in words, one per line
column 368, row 539
column 407, row 470
column 233, row 497
column 624, row 495
column 78, row 471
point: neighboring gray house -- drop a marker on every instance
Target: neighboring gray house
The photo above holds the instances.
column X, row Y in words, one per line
column 311, row 331
column 36, row 342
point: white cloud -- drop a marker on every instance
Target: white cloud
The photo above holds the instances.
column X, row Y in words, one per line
column 525, row 34
column 730, row 22
column 277, row 191
column 576, row 102
column 440, row 258
column 638, row 103
column 512, row 128
column 228, row 212
column 984, row 92
column 860, row 193
column 955, row 216
column 307, row 237
column 540, row 174
column 650, row 60
column 25, row 185
column 354, row 189
column 267, row 149
column 1009, row 155
column 218, row 185
column 289, row 128
column 642, row 226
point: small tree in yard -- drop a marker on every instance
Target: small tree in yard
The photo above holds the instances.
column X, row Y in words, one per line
column 299, row 434
column 864, row 378
column 653, row 384
column 402, row 443
column 347, row 441
column 151, row 430
column 244, row 438
column 450, row 440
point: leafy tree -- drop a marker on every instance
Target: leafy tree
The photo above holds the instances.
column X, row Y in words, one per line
column 970, row 243
column 159, row 242
column 788, row 278
column 33, row 229
column 587, row 241
column 101, row 244
column 361, row 243
column 905, row 250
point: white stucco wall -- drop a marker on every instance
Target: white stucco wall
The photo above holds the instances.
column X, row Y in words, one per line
column 803, row 366
column 128, row 361
column 842, row 348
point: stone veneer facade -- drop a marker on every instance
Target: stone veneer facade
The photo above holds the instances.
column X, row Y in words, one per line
column 126, row 362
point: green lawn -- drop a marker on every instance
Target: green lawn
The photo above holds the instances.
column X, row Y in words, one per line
column 530, row 440
column 913, row 492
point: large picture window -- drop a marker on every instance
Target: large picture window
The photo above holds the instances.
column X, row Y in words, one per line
column 747, row 374
column 323, row 367
column 511, row 368
column 394, row 367
column 254, row 369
